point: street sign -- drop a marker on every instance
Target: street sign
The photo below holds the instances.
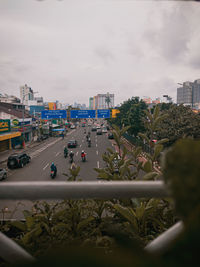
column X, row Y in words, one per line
column 82, row 114
column 114, row 112
column 103, row 113
column 53, row 114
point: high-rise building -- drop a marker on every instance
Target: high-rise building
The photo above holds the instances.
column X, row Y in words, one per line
column 26, row 94
column 91, row 100
column 102, row 101
column 189, row 94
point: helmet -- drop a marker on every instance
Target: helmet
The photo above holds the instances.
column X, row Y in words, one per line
column 52, row 163
column 71, row 151
column 82, row 151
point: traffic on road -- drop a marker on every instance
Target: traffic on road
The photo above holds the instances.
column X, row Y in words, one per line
column 82, row 146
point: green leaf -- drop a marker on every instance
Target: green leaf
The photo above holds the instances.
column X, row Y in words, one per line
column 144, row 137
column 148, row 166
column 27, row 213
column 84, row 223
column 128, row 214
column 157, row 149
column 30, row 222
column 156, row 112
column 162, row 141
column 150, row 176
column 20, row 225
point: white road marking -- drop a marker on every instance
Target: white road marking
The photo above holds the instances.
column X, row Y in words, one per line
column 80, row 145
column 45, row 166
column 97, row 152
column 57, row 154
column 77, row 153
column 63, row 146
column 98, row 164
column 96, row 145
column 82, row 141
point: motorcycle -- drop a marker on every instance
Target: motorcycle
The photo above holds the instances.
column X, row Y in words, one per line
column 71, row 160
column 89, row 143
column 53, row 174
column 65, row 154
column 83, row 159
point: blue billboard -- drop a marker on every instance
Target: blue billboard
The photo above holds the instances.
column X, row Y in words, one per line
column 103, row 113
column 53, row 114
column 82, row 114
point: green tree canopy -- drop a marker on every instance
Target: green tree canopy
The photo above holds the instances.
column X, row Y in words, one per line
column 180, row 122
column 132, row 114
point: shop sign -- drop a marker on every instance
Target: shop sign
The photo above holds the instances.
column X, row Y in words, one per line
column 4, row 126
column 15, row 122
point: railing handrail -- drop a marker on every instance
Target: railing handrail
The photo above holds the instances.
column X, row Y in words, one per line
column 82, row 190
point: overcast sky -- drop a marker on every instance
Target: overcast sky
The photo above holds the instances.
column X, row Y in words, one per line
column 70, row 50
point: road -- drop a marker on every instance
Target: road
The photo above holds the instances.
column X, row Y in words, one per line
column 42, row 157
column 52, row 151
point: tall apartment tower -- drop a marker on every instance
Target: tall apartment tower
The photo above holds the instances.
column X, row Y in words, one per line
column 101, row 101
column 189, row 94
column 26, row 94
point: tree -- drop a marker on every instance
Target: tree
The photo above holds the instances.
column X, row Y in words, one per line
column 131, row 114
column 108, row 100
column 180, row 122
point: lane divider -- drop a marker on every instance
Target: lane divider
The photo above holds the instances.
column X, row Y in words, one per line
column 45, row 166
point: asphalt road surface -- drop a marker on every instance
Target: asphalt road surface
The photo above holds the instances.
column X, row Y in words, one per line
column 42, row 157
column 52, row 151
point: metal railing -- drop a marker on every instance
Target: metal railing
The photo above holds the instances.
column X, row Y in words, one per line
column 78, row 190
column 82, row 190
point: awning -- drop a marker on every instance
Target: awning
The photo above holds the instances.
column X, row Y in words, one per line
column 9, row 136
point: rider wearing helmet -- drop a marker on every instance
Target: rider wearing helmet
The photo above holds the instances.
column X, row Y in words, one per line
column 71, row 154
column 53, row 167
column 83, row 154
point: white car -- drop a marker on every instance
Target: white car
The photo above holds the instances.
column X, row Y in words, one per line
column 104, row 130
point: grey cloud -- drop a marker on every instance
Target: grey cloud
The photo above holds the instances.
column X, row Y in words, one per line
column 104, row 54
column 171, row 38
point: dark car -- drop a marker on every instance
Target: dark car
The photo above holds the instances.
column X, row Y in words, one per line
column 94, row 129
column 110, row 136
column 99, row 132
column 18, row 160
column 72, row 143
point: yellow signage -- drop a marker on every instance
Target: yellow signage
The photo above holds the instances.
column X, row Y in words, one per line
column 114, row 112
column 52, row 106
column 4, row 126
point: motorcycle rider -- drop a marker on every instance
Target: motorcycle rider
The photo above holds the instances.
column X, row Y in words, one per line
column 71, row 155
column 89, row 141
column 54, row 168
column 83, row 155
column 65, row 151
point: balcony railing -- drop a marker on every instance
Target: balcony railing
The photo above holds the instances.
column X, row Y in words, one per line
column 13, row 253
